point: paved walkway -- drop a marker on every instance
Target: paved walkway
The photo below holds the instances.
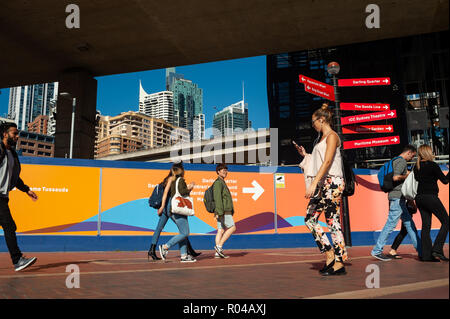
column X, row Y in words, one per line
column 252, row 274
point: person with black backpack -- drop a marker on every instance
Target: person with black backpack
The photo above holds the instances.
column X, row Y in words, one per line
column 155, row 201
column 223, row 210
column 391, row 177
column 10, row 178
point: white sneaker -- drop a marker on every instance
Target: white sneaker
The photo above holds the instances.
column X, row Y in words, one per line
column 188, row 259
column 216, row 255
column 163, row 252
column 219, row 252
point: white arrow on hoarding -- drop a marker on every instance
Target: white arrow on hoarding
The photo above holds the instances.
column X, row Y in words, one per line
column 385, row 107
column 389, row 128
column 391, row 114
column 256, row 190
column 385, row 81
column 395, row 139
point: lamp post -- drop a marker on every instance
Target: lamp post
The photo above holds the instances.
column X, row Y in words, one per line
column 333, row 69
column 74, row 102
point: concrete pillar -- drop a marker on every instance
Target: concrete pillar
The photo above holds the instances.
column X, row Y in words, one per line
column 81, row 85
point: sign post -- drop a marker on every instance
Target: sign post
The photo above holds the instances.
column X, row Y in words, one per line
column 333, row 68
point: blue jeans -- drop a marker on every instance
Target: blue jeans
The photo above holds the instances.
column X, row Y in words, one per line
column 183, row 226
column 161, row 223
column 397, row 210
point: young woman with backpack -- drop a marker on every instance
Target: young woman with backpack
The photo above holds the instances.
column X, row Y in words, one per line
column 177, row 174
column 164, row 216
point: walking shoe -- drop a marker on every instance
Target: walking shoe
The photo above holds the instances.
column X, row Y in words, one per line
column 216, row 255
column 440, row 256
column 382, row 257
column 163, row 252
column 331, row 272
column 394, row 256
column 219, row 251
column 24, row 263
column 188, row 259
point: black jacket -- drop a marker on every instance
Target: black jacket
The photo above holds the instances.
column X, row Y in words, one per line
column 16, row 181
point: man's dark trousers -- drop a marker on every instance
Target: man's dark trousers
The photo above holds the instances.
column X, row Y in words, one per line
column 9, row 228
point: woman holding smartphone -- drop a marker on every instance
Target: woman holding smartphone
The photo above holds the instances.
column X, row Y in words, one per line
column 324, row 187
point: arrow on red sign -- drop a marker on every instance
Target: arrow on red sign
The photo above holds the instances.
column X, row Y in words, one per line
column 322, row 93
column 371, row 142
column 365, row 106
column 364, row 82
column 355, row 129
column 317, row 88
column 368, row 117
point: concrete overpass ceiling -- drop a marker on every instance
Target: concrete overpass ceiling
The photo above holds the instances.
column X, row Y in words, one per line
column 136, row 35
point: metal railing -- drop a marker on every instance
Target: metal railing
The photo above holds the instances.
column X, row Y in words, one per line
column 440, row 159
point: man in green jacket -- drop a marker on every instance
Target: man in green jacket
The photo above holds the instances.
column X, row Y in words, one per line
column 224, row 210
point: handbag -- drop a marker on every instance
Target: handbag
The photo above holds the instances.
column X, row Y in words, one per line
column 409, row 187
column 411, row 206
column 349, row 176
column 182, row 205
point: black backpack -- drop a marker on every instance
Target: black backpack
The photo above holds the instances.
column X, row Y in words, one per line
column 155, row 200
column 208, row 199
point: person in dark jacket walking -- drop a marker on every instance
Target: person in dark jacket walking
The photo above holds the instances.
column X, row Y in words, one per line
column 427, row 173
column 10, row 178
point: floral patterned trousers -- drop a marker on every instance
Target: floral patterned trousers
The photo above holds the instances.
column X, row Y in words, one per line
column 328, row 202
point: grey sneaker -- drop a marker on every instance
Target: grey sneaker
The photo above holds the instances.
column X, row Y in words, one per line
column 188, row 259
column 24, row 263
column 382, row 257
column 163, row 252
column 219, row 251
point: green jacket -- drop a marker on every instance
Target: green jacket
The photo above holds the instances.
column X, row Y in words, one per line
column 182, row 188
column 222, row 197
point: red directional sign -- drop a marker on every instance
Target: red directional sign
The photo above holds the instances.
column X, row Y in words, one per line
column 318, row 88
column 369, row 117
column 364, row 82
column 322, row 93
column 365, row 106
column 355, row 129
column 371, row 142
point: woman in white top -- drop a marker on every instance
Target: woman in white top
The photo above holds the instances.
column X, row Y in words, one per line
column 324, row 187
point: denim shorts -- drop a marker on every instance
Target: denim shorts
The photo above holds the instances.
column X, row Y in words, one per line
column 225, row 221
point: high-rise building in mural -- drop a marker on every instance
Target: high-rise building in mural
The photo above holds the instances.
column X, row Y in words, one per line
column 29, row 101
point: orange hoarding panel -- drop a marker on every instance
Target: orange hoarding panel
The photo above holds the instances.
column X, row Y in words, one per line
column 67, row 196
column 114, row 201
column 125, row 205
